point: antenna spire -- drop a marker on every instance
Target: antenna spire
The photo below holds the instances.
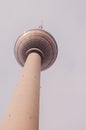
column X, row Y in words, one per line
column 41, row 25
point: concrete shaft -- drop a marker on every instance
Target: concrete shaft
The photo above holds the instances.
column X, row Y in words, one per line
column 23, row 111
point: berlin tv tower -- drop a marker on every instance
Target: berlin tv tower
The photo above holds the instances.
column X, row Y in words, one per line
column 36, row 50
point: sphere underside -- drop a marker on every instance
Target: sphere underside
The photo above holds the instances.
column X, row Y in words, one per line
column 39, row 41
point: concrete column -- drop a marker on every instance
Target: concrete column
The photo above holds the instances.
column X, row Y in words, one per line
column 23, row 110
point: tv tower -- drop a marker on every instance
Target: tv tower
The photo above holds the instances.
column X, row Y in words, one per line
column 36, row 50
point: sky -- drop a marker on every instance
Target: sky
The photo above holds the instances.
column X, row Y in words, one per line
column 63, row 86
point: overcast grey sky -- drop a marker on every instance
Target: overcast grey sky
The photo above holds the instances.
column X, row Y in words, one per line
column 63, row 86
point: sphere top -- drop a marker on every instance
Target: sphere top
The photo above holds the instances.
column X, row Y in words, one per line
column 36, row 40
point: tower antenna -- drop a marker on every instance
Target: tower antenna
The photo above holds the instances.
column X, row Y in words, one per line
column 35, row 50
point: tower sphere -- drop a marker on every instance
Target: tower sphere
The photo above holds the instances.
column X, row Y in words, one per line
column 36, row 40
